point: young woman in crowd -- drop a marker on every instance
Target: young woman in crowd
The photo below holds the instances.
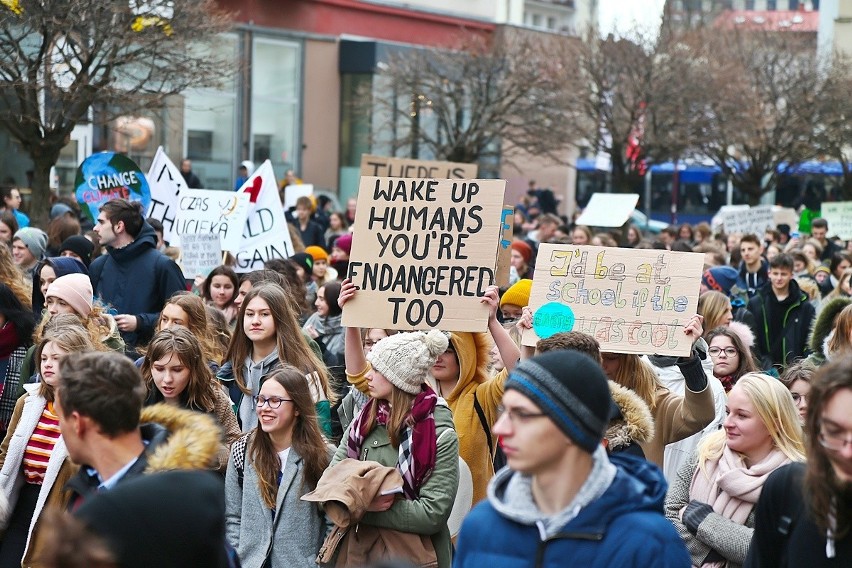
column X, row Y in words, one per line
column 731, row 357
column 188, row 310
column 16, row 335
column 831, row 336
column 13, row 278
column 337, row 226
column 220, row 288
column 711, row 502
column 268, row 335
column 34, row 464
column 354, row 399
column 8, row 228
column 49, row 270
column 290, row 281
column 798, row 378
column 716, row 309
column 634, row 236
column 460, row 376
column 843, row 289
column 322, row 273
column 176, row 373
column 324, row 324
column 804, row 515
column 403, row 409
column 270, row 469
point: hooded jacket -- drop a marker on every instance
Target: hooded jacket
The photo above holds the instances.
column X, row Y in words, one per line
column 137, row 280
column 822, row 328
column 175, row 439
column 796, row 318
column 762, row 277
column 634, row 424
column 473, row 352
column 623, row 526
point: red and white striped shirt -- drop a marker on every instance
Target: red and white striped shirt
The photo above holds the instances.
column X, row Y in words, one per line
column 40, row 446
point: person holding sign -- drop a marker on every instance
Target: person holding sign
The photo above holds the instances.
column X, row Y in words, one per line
column 460, row 376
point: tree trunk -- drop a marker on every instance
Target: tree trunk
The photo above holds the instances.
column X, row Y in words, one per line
column 40, row 202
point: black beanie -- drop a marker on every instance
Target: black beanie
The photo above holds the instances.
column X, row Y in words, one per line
column 305, row 261
column 571, row 389
column 79, row 245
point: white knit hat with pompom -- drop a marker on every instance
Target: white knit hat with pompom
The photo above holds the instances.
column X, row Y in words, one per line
column 404, row 359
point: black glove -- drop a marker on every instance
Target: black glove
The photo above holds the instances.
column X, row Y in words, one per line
column 693, row 373
column 694, row 515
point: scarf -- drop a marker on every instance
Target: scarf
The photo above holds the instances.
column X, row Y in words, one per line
column 728, row 382
column 9, row 340
column 731, row 488
column 418, row 443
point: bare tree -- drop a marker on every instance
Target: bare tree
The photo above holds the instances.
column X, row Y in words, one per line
column 482, row 100
column 834, row 125
column 61, row 58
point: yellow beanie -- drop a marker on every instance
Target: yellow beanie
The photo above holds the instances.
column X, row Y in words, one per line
column 518, row 293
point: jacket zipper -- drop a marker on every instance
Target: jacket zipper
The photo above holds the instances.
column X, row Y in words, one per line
column 542, row 545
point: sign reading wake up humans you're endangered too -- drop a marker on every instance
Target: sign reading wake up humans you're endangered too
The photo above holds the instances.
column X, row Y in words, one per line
column 423, row 253
column 630, row 300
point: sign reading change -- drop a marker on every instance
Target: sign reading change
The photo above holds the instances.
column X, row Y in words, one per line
column 630, row 300
column 423, row 252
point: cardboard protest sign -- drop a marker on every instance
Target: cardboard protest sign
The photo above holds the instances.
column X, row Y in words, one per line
column 408, row 168
column 423, row 252
column 106, row 176
column 504, row 251
column 265, row 234
column 751, row 220
column 221, row 213
column 608, row 209
column 200, row 254
column 630, row 300
column 295, row 191
column 839, row 217
column 166, row 182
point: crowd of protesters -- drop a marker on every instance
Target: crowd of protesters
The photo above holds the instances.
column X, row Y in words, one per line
column 153, row 418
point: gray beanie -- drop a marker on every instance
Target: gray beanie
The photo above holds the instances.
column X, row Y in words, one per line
column 571, row 389
column 405, row 358
column 34, row 239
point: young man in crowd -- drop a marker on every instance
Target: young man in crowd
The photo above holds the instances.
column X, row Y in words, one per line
column 133, row 277
column 189, row 176
column 561, row 496
column 819, row 231
column 28, row 248
column 783, row 315
column 311, row 232
column 753, row 268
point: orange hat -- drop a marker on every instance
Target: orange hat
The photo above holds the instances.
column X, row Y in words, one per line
column 318, row 253
column 523, row 249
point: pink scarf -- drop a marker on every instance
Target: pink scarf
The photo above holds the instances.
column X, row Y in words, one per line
column 731, row 488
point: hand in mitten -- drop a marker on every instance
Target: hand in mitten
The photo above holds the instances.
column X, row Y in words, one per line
column 694, row 515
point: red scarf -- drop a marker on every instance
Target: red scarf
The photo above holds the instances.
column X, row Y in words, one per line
column 728, row 382
column 9, row 340
column 418, row 445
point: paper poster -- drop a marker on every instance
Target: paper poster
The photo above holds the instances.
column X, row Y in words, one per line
column 630, row 300
column 166, row 182
column 751, row 220
column 408, row 168
column 423, row 253
column 608, row 209
column 294, row 192
column 839, row 217
column 199, row 254
column 221, row 213
column 504, row 251
column 265, row 234
column 106, row 176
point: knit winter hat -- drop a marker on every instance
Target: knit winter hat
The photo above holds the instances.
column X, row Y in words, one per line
column 518, row 293
column 571, row 389
column 74, row 289
column 720, row 278
column 34, row 239
column 405, row 358
column 58, row 210
column 523, row 249
column 79, row 245
column 318, row 253
column 344, row 242
column 304, row 261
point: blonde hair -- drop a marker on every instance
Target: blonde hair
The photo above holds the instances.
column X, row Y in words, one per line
column 841, row 338
column 774, row 405
column 639, row 377
column 713, row 305
column 98, row 323
column 14, row 278
column 69, row 338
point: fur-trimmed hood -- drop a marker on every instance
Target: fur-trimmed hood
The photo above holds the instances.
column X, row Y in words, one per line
column 473, row 350
column 636, row 424
column 744, row 332
column 824, row 323
column 192, row 443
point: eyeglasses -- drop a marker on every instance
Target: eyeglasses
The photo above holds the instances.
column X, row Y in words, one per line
column 274, row 402
column 517, row 416
column 728, row 351
column 834, row 441
column 799, row 398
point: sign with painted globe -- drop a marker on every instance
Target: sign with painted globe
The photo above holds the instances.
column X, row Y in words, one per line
column 108, row 175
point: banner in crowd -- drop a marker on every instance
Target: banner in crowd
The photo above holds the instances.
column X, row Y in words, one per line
column 221, row 213
column 504, row 252
column 105, row 176
column 608, row 209
column 265, row 235
column 409, row 168
column 166, row 183
column 630, row 300
column 423, row 252
column 747, row 220
column 295, row 191
column 200, row 253
column 839, row 217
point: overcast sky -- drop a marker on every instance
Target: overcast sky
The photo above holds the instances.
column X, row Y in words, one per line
column 619, row 15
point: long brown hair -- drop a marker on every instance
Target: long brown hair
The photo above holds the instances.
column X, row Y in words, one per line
column 14, row 278
column 71, row 339
column 635, row 374
column 821, row 483
column 197, row 323
column 746, row 364
column 400, row 414
column 292, row 347
column 307, row 439
column 178, row 340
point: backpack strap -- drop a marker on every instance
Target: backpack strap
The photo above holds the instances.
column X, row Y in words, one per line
column 238, row 449
column 481, row 413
